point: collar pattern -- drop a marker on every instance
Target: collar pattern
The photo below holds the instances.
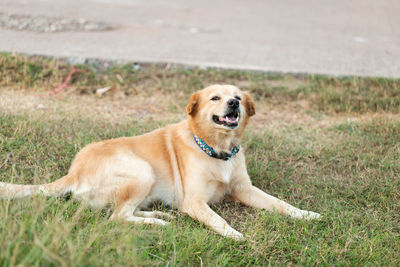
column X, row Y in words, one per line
column 210, row 151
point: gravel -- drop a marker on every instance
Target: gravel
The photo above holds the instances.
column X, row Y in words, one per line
column 50, row 24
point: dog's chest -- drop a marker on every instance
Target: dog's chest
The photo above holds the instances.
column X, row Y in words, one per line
column 222, row 171
column 220, row 177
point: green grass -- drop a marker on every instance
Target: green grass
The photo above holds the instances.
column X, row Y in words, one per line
column 351, row 184
column 326, row 94
column 347, row 171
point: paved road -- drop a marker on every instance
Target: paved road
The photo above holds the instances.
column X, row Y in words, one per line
column 340, row 37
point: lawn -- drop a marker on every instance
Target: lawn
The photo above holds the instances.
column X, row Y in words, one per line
column 326, row 144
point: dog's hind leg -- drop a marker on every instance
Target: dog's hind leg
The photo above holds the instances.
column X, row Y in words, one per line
column 143, row 220
column 153, row 214
column 128, row 199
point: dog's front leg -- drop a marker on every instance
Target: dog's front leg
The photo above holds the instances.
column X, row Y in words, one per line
column 254, row 197
column 199, row 210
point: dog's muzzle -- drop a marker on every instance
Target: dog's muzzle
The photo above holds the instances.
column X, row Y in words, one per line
column 232, row 115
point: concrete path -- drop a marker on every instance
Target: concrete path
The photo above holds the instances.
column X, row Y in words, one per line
column 339, row 37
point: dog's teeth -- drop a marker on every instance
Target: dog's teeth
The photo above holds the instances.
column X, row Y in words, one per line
column 226, row 118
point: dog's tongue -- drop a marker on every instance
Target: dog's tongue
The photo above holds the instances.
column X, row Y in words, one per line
column 227, row 119
column 222, row 118
column 231, row 119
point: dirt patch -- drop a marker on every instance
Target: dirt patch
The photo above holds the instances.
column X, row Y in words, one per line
column 134, row 107
column 166, row 107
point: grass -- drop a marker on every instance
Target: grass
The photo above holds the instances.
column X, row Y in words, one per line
column 346, row 169
column 326, row 94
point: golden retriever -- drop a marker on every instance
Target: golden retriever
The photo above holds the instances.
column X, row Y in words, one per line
column 185, row 165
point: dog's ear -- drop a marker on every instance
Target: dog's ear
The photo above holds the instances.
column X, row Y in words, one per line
column 191, row 107
column 249, row 105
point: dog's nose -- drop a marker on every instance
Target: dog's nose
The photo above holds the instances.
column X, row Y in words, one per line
column 233, row 103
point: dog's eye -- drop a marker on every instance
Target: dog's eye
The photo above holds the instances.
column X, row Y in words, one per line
column 238, row 98
column 215, row 98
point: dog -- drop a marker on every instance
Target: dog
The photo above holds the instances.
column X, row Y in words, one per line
column 187, row 165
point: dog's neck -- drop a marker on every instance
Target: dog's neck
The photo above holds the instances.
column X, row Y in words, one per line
column 222, row 141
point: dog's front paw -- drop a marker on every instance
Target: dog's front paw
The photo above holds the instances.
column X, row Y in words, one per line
column 310, row 215
column 232, row 233
column 303, row 214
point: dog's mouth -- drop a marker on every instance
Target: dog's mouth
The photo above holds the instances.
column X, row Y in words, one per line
column 230, row 120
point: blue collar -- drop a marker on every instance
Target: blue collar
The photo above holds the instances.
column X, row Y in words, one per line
column 210, row 151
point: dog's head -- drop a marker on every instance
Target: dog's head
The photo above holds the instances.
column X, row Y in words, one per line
column 220, row 107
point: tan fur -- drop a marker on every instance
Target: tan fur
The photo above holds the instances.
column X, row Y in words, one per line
column 167, row 165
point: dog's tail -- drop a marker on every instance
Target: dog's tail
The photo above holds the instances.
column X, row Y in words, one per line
column 56, row 188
